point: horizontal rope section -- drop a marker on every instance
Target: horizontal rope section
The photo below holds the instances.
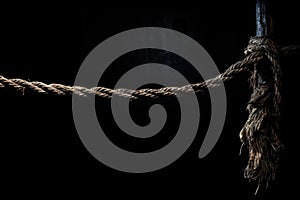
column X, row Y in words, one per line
column 21, row 85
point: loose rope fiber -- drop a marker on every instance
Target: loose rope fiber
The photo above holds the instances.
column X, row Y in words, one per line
column 259, row 133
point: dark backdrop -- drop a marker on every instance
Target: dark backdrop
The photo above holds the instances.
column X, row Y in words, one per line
column 40, row 148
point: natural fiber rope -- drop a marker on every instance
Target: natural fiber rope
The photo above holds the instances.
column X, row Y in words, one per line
column 58, row 89
column 259, row 133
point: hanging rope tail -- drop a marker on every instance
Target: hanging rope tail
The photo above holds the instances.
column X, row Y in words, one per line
column 259, row 133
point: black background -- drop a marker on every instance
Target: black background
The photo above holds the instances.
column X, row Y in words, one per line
column 41, row 152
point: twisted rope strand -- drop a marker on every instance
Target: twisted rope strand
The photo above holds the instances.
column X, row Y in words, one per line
column 59, row 89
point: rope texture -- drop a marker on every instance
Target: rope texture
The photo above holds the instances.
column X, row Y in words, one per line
column 20, row 85
column 259, row 133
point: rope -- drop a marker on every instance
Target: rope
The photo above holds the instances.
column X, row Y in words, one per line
column 259, row 133
column 20, row 85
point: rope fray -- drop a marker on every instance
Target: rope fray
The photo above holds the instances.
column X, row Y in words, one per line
column 259, row 133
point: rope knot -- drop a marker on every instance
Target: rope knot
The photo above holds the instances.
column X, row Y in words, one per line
column 261, row 45
column 259, row 133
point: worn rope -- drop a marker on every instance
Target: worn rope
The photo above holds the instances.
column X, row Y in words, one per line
column 259, row 133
